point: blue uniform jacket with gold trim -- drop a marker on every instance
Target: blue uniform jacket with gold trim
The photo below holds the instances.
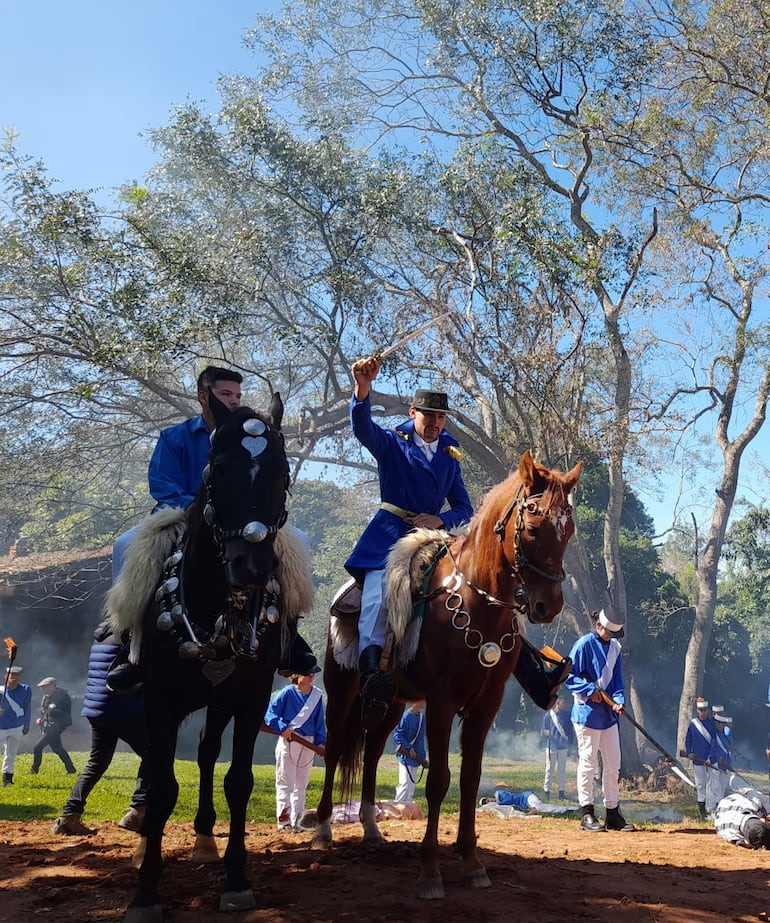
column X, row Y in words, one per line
column 407, row 480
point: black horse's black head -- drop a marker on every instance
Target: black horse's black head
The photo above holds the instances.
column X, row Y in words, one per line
column 245, row 485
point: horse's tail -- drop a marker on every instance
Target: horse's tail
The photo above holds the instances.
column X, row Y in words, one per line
column 351, row 755
column 345, row 742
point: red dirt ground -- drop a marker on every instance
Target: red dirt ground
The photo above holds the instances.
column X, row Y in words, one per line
column 543, row 870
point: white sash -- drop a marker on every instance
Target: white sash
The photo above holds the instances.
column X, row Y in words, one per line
column 15, row 707
column 307, row 709
column 419, row 725
column 698, row 725
column 556, row 721
column 613, row 652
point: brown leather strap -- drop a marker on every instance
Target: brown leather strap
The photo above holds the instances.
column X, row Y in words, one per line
column 387, row 650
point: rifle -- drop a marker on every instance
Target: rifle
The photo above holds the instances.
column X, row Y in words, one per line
column 671, row 762
column 697, row 761
column 296, row 739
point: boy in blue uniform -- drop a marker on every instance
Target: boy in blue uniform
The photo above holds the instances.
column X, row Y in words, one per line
column 720, row 758
column 559, row 736
column 697, row 743
column 15, row 718
column 409, row 738
column 296, row 710
column 596, row 672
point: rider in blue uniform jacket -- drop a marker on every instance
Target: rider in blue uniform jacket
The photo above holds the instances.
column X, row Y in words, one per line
column 408, row 481
column 419, row 472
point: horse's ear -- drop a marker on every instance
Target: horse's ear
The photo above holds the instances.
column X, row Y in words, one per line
column 276, row 409
column 527, row 469
column 572, row 477
column 221, row 413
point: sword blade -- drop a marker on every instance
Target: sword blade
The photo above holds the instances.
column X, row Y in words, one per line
column 383, row 354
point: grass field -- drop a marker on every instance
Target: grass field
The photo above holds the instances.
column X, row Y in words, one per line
column 41, row 797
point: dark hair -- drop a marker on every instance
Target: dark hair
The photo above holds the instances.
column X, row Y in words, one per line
column 757, row 833
column 214, row 373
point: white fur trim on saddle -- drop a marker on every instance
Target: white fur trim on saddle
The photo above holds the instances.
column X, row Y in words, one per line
column 405, row 568
column 127, row 600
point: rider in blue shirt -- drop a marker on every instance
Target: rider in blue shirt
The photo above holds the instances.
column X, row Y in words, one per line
column 174, row 476
column 180, row 455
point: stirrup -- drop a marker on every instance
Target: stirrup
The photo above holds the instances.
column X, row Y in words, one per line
column 377, row 693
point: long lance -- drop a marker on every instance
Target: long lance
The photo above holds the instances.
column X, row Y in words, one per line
column 10, row 645
column 673, row 765
column 296, row 739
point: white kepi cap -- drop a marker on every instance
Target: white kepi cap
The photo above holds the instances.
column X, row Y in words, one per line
column 614, row 629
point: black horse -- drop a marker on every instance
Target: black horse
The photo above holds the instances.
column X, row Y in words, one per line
column 213, row 633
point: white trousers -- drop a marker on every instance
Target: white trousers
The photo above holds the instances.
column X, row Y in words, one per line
column 10, row 739
column 591, row 742
column 701, row 774
column 555, row 762
column 293, row 763
column 373, row 623
column 717, row 786
column 407, row 779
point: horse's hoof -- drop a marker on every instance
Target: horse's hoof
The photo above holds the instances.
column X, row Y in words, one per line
column 430, row 889
column 205, row 849
column 321, row 842
column 372, row 840
column 237, row 900
column 478, row 878
column 153, row 914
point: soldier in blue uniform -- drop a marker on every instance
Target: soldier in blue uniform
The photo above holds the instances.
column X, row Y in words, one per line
column 596, row 672
column 419, row 471
column 697, row 743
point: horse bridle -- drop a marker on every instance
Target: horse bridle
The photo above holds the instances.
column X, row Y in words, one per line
column 254, row 532
column 524, row 505
column 248, row 613
column 490, row 652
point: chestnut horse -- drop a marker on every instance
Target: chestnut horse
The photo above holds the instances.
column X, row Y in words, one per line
column 475, row 590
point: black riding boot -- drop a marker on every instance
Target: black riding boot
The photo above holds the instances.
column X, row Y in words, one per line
column 702, row 809
column 378, row 688
column 7, row 778
column 616, row 821
column 540, row 681
column 298, row 658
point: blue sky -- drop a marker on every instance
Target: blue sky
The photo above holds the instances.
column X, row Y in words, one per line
column 82, row 81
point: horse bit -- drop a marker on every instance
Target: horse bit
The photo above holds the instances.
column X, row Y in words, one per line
column 226, row 642
column 490, row 652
